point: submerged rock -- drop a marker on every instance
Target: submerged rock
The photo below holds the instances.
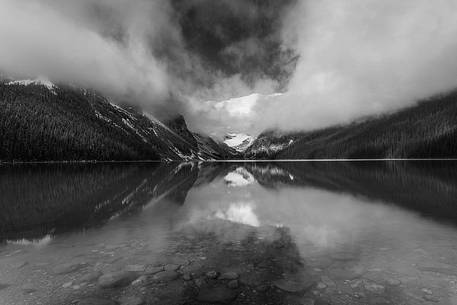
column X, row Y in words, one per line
column 431, row 298
column 20, row 265
column 28, row 288
column 198, row 282
column 443, row 269
column 166, row 276
column 217, row 295
column 3, row 286
column 117, row 279
column 68, row 268
column 139, row 281
column 171, row 267
column 328, row 281
column 90, row 277
column 131, row 300
column 393, row 282
column 374, row 288
column 233, row 284
column 135, row 268
column 427, row 291
column 66, row 285
column 229, row 276
column 187, row 276
column 153, row 269
column 252, row 278
column 293, row 285
column 211, row 274
column 96, row 301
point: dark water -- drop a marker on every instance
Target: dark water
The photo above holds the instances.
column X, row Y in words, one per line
column 233, row 233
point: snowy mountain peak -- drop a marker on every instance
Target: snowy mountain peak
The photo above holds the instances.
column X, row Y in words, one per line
column 238, row 141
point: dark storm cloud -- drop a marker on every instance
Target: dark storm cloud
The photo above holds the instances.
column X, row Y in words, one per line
column 236, row 36
column 155, row 52
column 357, row 58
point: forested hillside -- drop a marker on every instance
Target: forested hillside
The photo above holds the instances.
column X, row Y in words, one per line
column 427, row 130
column 45, row 122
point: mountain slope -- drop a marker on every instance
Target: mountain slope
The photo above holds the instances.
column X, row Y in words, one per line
column 207, row 147
column 427, row 130
column 40, row 121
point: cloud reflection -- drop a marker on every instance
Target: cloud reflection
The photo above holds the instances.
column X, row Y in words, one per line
column 241, row 212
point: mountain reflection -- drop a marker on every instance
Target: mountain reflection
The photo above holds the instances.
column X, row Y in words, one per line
column 47, row 199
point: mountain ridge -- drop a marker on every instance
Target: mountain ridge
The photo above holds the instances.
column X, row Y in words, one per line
column 42, row 121
column 427, row 130
column 47, row 122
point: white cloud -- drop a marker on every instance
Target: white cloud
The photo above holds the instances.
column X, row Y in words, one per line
column 62, row 41
column 363, row 57
column 239, row 177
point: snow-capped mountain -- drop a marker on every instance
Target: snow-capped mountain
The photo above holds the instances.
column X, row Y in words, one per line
column 42, row 121
column 238, row 141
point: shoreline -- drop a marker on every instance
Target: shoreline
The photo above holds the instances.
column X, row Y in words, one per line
column 225, row 161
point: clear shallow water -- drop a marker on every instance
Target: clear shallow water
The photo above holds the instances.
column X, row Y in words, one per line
column 253, row 233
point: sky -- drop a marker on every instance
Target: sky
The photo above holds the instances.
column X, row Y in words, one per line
column 240, row 65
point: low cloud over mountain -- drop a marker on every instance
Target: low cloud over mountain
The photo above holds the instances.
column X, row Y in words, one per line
column 334, row 62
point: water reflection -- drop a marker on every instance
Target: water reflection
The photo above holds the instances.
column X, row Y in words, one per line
column 252, row 233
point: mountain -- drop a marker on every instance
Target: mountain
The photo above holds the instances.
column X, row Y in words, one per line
column 41, row 121
column 427, row 130
column 207, row 147
column 238, row 141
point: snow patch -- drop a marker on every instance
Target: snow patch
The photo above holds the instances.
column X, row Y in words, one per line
column 129, row 124
column 238, row 141
column 41, row 81
column 101, row 116
column 124, row 111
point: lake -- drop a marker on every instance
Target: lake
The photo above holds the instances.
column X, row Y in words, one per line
column 229, row 233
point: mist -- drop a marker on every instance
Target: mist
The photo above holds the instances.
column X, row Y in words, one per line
column 97, row 44
column 361, row 58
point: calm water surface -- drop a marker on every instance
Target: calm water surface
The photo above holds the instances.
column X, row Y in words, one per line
column 231, row 233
